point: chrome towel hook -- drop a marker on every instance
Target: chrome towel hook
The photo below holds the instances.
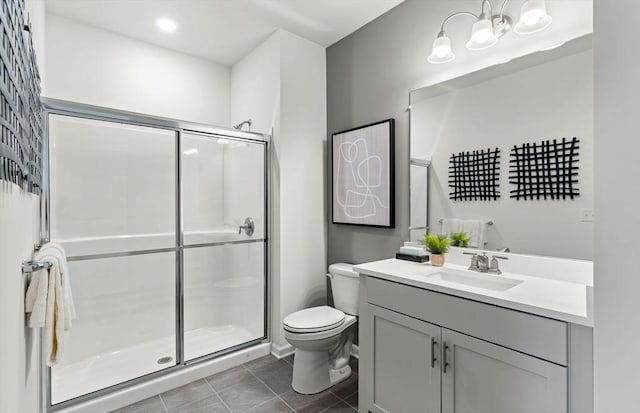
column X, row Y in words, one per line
column 29, row 267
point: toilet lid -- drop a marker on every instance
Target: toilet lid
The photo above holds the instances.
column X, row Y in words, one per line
column 314, row 319
column 343, row 269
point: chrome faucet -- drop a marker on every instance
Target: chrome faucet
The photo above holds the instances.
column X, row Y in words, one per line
column 481, row 263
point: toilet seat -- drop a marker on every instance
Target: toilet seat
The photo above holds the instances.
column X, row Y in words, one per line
column 314, row 320
column 321, row 335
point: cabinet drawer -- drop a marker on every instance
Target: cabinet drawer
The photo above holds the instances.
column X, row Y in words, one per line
column 538, row 336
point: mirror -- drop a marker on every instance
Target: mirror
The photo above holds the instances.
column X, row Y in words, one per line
column 543, row 96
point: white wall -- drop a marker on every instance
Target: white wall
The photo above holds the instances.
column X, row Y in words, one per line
column 281, row 86
column 255, row 95
column 553, row 100
column 19, row 354
column 255, row 86
column 617, row 275
column 19, row 231
column 90, row 65
column 301, row 155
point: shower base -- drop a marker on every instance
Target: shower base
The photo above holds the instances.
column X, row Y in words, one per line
column 107, row 369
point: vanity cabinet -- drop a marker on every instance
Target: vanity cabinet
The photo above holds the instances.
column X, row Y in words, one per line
column 482, row 377
column 406, row 372
column 423, row 351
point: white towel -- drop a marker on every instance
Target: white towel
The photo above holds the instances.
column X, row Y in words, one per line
column 415, row 251
column 69, row 306
column 50, row 302
column 450, row 225
column 477, row 231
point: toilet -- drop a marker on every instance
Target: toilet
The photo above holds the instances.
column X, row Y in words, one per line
column 323, row 336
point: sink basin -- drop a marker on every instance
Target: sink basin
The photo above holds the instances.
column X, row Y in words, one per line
column 478, row 280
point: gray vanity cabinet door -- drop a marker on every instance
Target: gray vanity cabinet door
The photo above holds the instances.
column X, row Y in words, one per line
column 404, row 377
column 483, row 377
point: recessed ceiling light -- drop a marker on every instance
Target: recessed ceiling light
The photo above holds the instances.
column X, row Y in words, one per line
column 166, row 25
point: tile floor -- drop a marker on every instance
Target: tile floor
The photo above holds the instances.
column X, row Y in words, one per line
column 259, row 386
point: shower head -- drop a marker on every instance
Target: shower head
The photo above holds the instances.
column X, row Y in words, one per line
column 241, row 124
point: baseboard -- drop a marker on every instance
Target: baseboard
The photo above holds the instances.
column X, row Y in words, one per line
column 286, row 350
column 283, row 351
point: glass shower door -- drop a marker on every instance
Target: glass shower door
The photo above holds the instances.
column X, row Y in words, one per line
column 223, row 208
column 113, row 203
column 165, row 234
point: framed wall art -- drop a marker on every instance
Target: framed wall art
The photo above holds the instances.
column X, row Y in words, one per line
column 363, row 177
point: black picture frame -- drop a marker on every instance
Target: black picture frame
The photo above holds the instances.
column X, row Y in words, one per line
column 355, row 200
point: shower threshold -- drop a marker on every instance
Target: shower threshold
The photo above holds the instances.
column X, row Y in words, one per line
column 107, row 369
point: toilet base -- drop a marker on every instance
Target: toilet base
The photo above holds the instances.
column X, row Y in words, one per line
column 312, row 372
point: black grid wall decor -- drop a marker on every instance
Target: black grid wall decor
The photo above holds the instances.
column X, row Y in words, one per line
column 21, row 117
column 545, row 170
column 474, row 176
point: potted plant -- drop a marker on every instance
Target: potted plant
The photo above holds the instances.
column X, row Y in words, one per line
column 459, row 239
column 437, row 245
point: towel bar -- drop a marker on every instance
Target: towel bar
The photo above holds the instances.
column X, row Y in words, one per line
column 34, row 266
column 414, row 228
column 489, row 223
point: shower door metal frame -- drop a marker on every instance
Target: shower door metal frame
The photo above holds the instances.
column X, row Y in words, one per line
column 84, row 111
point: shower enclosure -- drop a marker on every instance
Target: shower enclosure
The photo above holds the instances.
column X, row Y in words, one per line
column 165, row 228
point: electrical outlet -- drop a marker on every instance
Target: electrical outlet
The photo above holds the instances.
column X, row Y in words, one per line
column 586, row 215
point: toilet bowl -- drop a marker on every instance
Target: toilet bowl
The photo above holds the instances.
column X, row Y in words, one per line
column 323, row 336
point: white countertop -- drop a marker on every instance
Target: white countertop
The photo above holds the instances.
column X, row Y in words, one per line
column 558, row 299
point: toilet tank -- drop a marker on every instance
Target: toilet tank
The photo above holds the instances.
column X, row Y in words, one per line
column 345, row 285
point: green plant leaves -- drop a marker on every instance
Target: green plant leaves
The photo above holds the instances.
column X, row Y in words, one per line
column 437, row 244
column 459, row 239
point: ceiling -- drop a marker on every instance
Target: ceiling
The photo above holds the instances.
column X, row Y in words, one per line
column 224, row 31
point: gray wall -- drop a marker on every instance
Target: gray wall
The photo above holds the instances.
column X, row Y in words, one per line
column 371, row 72
column 369, row 76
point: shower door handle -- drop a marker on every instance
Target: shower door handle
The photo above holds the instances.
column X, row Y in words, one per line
column 248, row 227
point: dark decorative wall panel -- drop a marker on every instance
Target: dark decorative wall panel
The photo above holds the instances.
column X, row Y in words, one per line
column 545, row 170
column 474, row 176
column 21, row 117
